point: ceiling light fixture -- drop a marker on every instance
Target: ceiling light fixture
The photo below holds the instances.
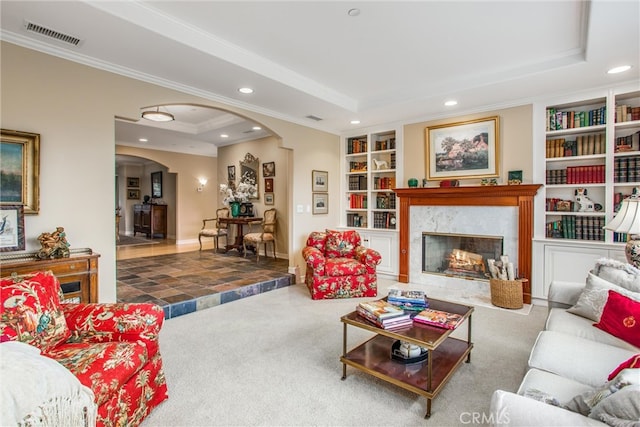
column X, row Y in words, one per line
column 353, row 12
column 355, row 122
column 157, row 116
column 245, row 90
column 143, row 140
column 451, row 103
column 256, row 128
column 620, row 69
column 224, row 135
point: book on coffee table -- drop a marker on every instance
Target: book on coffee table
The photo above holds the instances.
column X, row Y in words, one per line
column 441, row 319
column 394, row 322
column 381, row 309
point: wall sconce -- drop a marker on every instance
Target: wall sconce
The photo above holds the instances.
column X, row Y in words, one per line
column 203, row 182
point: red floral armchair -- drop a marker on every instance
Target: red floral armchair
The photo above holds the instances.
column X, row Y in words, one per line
column 111, row 348
column 338, row 266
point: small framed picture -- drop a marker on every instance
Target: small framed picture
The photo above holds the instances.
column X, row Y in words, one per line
column 319, row 181
column 515, row 177
column 320, row 203
column 268, row 185
column 133, row 182
column 12, row 228
column 231, row 173
column 268, row 169
column 268, row 198
column 133, row 194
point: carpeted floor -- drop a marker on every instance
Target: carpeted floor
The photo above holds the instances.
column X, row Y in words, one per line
column 186, row 282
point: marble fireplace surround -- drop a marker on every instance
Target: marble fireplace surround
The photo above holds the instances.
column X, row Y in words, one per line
column 518, row 196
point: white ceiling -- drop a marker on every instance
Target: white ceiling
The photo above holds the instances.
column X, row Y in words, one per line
column 394, row 61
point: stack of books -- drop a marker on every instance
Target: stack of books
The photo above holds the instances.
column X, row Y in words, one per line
column 384, row 315
column 441, row 319
column 408, row 300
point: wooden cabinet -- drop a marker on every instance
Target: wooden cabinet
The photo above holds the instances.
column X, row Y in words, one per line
column 150, row 220
column 78, row 274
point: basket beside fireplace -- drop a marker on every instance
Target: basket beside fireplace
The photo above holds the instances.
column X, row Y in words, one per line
column 507, row 293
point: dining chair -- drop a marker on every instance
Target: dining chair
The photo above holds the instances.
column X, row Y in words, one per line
column 268, row 234
column 218, row 230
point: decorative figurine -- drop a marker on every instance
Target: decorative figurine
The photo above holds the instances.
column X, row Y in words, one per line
column 54, row 245
column 585, row 203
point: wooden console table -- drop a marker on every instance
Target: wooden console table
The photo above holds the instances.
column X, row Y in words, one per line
column 78, row 274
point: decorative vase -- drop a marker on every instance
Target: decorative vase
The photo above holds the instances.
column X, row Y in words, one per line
column 235, row 209
column 413, row 182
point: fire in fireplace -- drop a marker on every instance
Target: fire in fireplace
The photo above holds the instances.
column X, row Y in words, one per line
column 459, row 255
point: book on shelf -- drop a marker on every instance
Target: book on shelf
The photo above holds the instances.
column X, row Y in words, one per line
column 559, row 120
column 439, row 318
column 577, row 228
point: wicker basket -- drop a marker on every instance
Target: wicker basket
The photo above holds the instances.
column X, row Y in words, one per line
column 506, row 293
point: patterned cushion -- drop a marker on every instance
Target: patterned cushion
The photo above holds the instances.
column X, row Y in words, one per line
column 344, row 267
column 341, row 243
column 258, row 237
column 104, row 367
column 594, row 296
column 31, row 311
column 318, row 240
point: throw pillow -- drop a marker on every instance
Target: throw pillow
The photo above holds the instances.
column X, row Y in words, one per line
column 585, row 402
column 632, row 363
column 618, row 273
column 341, row 243
column 594, row 296
column 620, row 409
column 541, row 396
column 30, row 310
column 621, row 318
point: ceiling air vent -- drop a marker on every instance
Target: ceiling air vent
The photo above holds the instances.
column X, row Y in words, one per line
column 312, row 117
column 48, row 32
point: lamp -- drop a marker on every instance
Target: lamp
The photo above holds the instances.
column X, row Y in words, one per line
column 203, row 182
column 157, row 116
column 628, row 221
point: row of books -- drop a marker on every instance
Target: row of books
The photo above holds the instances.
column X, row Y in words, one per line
column 357, row 182
column 557, row 120
column 386, row 201
column 627, row 113
column 385, row 220
column 583, row 145
column 591, row 174
column 628, row 143
column 357, row 166
column 626, row 169
column 387, row 144
column 404, row 307
column 358, row 201
column 355, row 146
column 577, row 227
column 383, row 182
column 356, row 220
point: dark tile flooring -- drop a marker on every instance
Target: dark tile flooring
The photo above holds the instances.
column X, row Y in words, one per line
column 185, row 282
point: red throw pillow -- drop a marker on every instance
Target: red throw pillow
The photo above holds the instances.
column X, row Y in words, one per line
column 633, row 362
column 341, row 244
column 30, row 310
column 621, row 318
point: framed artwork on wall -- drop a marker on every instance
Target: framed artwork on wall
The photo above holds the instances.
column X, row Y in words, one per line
column 20, row 166
column 231, row 173
column 156, row 185
column 320, row 203
column 249, row 173
column 463, row 150
column 12, row 228
column 268, row 185
column 133, row 194
column 268, row 198
column 133, row 182
column 319, row 181
column 268, row 169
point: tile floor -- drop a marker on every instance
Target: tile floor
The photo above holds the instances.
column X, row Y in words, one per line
column 185, row 282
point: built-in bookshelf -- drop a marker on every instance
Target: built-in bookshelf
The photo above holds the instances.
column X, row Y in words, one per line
column 591, row 146
column 370, row 176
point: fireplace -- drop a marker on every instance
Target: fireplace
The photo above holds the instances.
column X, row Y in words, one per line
column 519, row 198
column 459, row 255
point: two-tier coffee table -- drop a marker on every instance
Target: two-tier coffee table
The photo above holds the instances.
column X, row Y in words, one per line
column 427, row 378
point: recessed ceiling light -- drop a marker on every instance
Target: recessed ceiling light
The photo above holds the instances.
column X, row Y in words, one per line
column 451, row 103
column 256, row 128
column 143, row 140
column 620, row 69
column 224, row 135
column 353, row 12
column 245, row 90
column 355, row 122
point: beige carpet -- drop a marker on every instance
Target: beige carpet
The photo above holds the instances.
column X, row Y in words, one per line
column 273, row 360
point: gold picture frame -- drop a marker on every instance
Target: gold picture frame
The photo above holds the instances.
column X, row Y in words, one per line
column 463, row 150
column 320, row 203
column 20, row 167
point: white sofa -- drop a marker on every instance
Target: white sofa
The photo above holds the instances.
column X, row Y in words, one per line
column 572, row 358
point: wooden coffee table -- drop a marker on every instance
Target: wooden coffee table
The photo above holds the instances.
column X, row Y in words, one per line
column 425, row 378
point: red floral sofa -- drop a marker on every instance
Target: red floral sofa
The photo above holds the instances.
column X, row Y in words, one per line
column 111, row 348
column 338, row 266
